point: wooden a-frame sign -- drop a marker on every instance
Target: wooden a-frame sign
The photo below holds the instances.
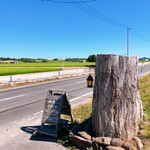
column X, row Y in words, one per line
column 56, row 103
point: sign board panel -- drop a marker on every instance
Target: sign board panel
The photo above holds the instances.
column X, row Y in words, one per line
column 56, row 103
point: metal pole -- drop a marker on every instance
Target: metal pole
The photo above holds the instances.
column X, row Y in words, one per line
column 11, row 80
column 142, row 68
column 63, row 67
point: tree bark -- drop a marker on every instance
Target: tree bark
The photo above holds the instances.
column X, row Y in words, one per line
column 116, row 111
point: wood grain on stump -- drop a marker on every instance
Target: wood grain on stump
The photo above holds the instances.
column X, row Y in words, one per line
column 116, row 111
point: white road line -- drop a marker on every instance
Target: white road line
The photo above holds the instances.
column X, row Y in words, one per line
column 5, row 99
column 39, row 112
column 80, row 96
column 80, row 82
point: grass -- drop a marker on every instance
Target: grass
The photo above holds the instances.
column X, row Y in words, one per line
column 140, row 61
column 14, row 71
column 49, row 64
column 145, row 94
column 83, row 112
column 22, row 68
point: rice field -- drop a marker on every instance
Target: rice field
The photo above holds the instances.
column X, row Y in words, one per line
column 22, row 68
column 49, row 64
column 13, row 71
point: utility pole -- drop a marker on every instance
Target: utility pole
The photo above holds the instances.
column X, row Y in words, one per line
column 128, row 41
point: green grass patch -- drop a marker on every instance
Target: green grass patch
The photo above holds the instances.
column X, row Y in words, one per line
column 14, row 71
column 148, row 131
column 49, row 64
column 145, row 94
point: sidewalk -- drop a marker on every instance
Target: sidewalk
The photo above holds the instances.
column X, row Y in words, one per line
column 145, row 63
column 34, row 77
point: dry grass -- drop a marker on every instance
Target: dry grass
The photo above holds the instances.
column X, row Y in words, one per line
column 83, row 112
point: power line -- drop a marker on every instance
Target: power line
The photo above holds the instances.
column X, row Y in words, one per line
column 104, row 16
column 82, row 4
column 85, row 7
column 140, row 36
column 98, row 15
column 57, row 1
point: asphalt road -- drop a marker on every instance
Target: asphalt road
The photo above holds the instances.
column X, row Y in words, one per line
column 17, row 103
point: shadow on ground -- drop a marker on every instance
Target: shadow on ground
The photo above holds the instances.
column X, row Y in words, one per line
column 63, row 135
column 32, row 129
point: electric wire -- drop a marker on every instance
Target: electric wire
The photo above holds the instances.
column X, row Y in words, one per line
column 85, row 7
column 108, row 18
column 140, row 36
column 57, row 1
column 82, row 4
column 97, row 15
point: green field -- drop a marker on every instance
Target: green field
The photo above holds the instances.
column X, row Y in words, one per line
column 140, row 61
column 13, row 71
column 49, row 64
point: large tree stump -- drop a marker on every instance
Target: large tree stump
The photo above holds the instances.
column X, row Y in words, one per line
column 116, row 108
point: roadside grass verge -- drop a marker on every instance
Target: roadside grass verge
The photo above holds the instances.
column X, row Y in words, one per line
column 145, row 94
column 14, row 71
column 49, row 64
column 83, row 112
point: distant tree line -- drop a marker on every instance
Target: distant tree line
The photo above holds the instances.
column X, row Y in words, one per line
column 74, row 59
column 6, row 58
column 91, row 58
column 26, row 60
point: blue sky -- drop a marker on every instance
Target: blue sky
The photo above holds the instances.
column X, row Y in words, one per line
column 35, row 29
